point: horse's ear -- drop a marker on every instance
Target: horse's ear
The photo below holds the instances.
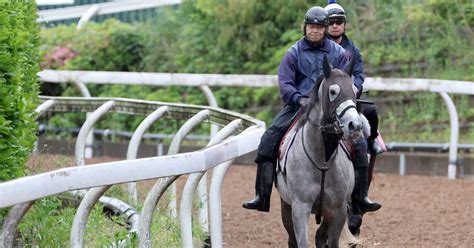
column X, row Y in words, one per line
column 350, row 68
column 326, row 67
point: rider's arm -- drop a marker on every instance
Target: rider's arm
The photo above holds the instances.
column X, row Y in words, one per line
column 358, row 69
column 287, row 78
column 342, row 58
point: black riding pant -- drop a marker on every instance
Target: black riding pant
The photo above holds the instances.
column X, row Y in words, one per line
column 268, row 147
column 370, row 112
column 360, row 153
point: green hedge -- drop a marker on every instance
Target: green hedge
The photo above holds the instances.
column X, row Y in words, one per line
column 19, row 64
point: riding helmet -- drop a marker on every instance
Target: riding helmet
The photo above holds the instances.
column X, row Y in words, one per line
column 335, row 11
column 316, row 15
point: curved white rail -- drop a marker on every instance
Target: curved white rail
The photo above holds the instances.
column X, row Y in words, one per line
column 206, row 80
column 62, row 180
column 45, row 184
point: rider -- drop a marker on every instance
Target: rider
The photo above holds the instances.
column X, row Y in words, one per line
column 336, row 32
column 297, row 73
column 336, row 29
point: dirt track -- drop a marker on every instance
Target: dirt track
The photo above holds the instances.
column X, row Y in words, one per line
column 417, row 212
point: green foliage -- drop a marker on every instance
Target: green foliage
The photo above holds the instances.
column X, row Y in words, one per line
column 422, row 38
column 436, row 32
column 19, row 64
column 109, row 46
column 224, row 36
column 48, row 224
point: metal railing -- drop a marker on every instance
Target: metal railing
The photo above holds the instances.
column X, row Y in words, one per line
column 85, row 12
column 442, row 87
column 240, row 135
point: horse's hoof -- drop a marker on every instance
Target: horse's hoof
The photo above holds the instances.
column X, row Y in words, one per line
column 355, row 221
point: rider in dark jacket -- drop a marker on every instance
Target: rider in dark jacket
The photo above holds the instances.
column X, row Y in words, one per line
column 336, row 29
column 298, row 71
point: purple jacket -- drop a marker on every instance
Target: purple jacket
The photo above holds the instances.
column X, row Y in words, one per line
column 358, row 73
column 302, row 65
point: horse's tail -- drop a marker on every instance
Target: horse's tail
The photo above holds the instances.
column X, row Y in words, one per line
column 347, row 238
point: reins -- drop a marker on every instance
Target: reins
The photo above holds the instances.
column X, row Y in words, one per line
column 333, row 128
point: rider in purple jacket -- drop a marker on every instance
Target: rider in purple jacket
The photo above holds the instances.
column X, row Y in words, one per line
column 299, row 69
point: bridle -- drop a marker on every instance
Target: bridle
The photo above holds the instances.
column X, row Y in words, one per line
column 333, row 130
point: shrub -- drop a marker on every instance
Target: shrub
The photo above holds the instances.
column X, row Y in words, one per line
column 19, row 60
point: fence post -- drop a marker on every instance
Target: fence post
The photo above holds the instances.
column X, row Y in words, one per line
column 402, row 164
column 453, row 143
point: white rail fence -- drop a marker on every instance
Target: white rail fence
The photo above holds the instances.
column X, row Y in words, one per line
column 85, row 12
column 240, row 135
column 205, row 81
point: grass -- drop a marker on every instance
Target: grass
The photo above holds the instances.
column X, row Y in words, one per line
column 48, row 222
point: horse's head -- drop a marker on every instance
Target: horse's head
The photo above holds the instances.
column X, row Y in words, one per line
column 334, row 96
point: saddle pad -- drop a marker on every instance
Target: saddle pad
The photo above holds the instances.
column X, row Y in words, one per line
column 379, row 140
column 286, row 142
column 284, row 147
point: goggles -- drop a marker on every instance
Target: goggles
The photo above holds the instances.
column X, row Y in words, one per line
column 336, row 21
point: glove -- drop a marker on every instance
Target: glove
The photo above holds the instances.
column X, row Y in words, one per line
column 359, row 93
column 303, row 101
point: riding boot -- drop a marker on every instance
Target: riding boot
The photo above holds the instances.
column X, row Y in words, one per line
column 255, row 202
column 263, row 187
column 363, row 203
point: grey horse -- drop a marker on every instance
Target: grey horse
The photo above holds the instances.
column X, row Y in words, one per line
column 315, row 150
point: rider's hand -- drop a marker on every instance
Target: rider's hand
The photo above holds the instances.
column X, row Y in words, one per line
column 303, row 101
column 357, row 91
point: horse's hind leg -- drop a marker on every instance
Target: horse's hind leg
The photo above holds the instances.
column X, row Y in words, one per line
column 335, row 228
column 322, row 234
column 288, row 223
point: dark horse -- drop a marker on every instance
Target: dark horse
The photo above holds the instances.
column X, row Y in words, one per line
column 318, row 176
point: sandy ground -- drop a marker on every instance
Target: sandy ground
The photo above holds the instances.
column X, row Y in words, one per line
column 417, row 211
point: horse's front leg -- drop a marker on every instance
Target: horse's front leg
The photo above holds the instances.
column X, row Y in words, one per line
column 300, row 212
column 322, row 234
column 288, row 223
column 338, row 220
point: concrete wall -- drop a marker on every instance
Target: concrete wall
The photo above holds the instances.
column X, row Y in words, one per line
column 432, row 164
